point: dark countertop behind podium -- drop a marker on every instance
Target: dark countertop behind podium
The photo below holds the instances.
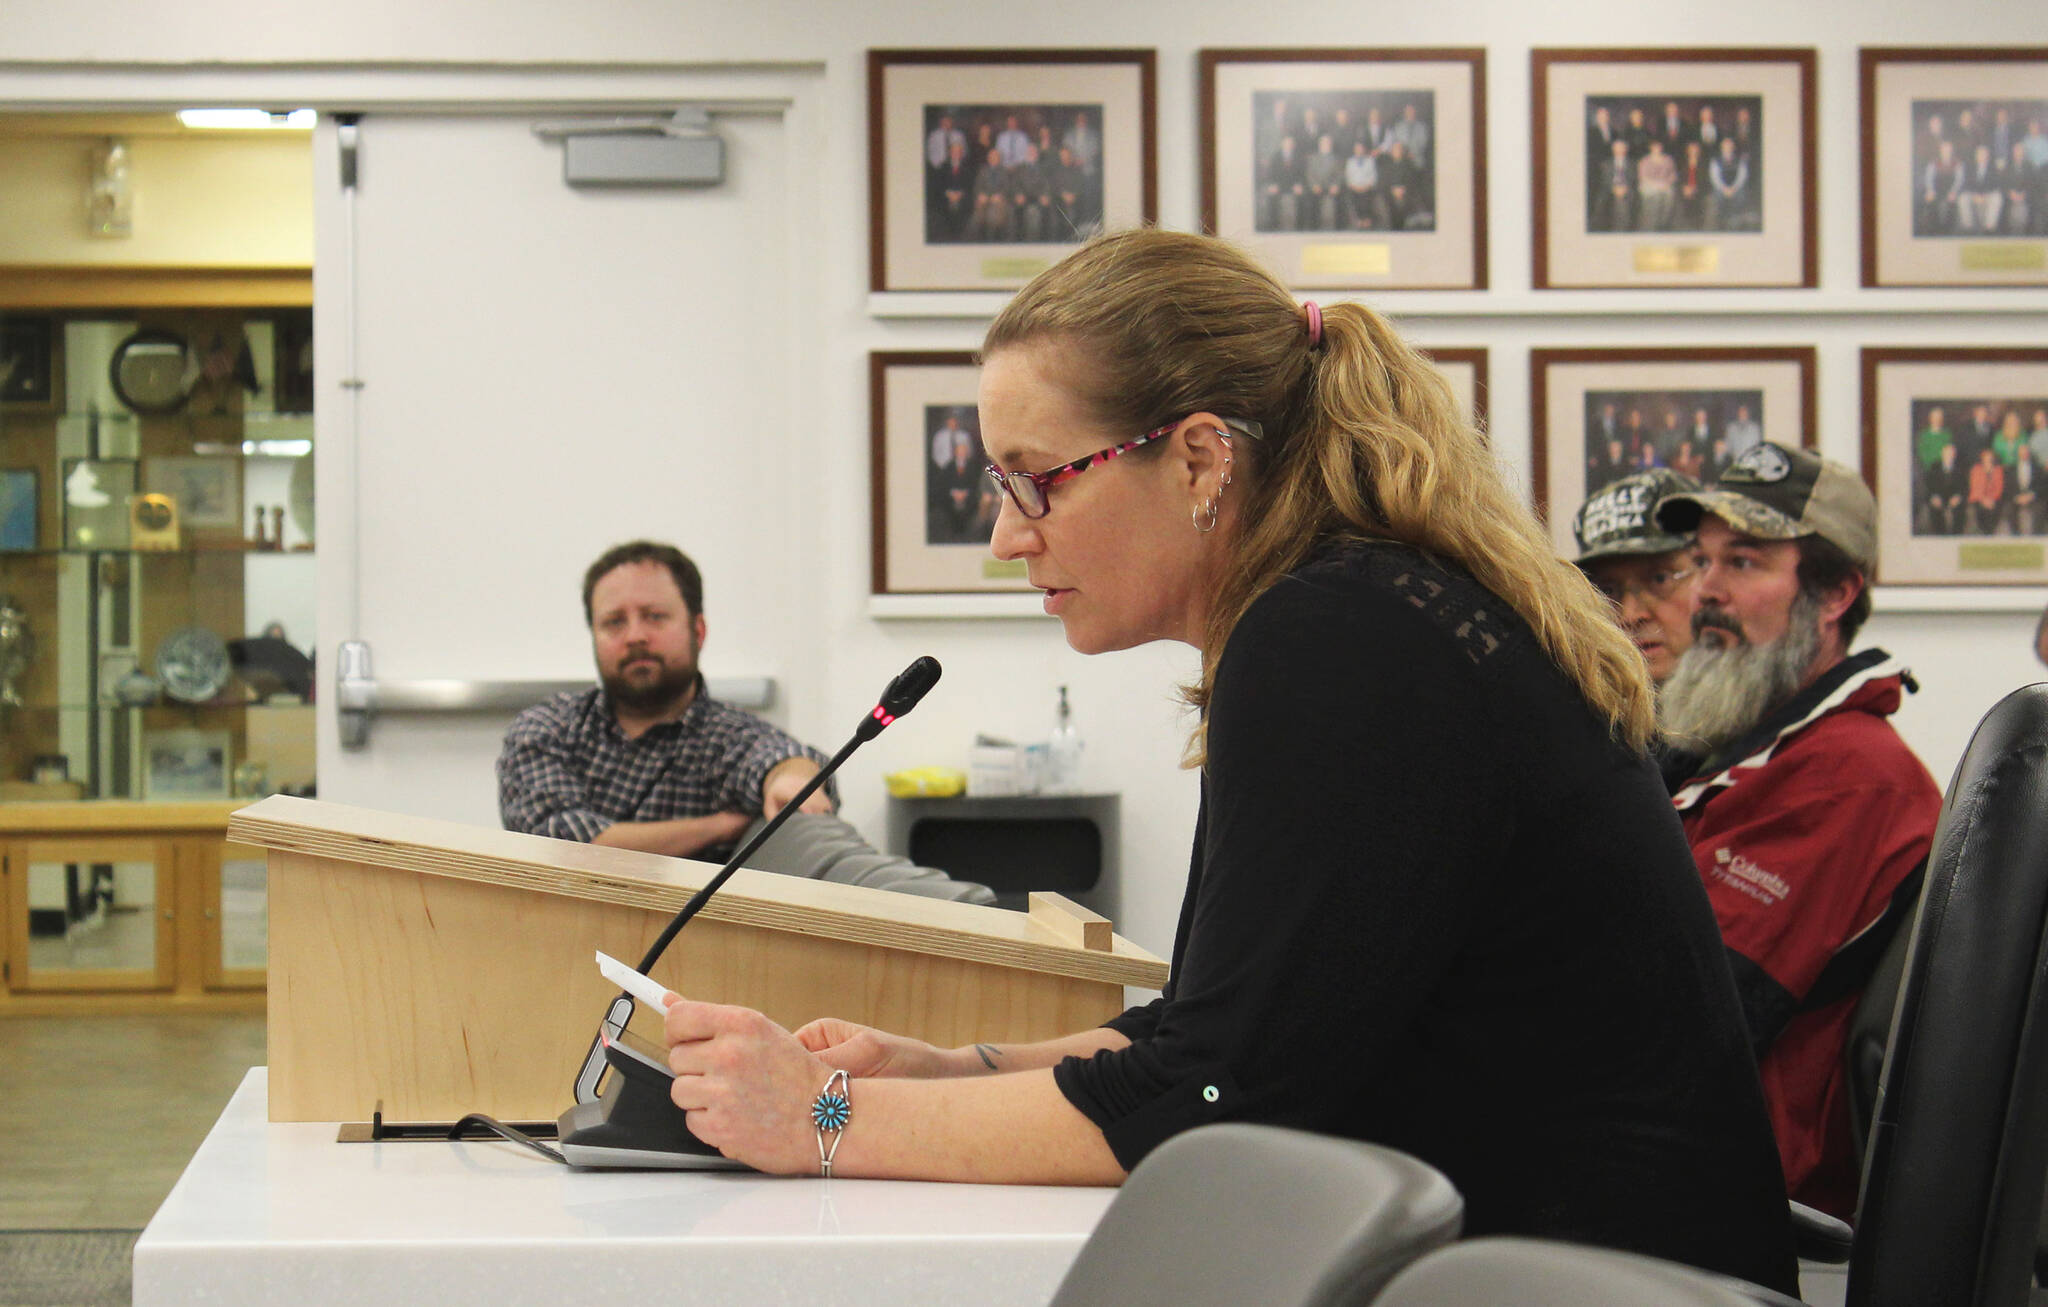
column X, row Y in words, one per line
column 1067, row 843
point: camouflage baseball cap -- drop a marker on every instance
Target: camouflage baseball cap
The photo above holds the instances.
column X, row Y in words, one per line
column 1620, row 520
column 1775, row 492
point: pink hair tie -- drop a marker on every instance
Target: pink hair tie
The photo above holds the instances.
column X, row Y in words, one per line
column 1315, row 323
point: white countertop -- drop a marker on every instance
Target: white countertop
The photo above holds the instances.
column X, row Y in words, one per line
column 272, row 1213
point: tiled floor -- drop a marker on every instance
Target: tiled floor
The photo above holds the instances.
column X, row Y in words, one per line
column 68, row 1268
column 98, row 1115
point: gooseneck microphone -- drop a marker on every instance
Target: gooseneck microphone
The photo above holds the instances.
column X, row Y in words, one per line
column 911, row 684
column 635, row 1123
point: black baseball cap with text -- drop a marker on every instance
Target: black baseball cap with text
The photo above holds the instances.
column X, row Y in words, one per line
column 1776, row 492
column 1619, row 520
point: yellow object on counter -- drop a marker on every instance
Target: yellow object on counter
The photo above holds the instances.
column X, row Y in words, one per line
column 926, row 782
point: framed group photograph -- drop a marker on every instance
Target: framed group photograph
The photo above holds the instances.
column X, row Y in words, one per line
column 1955, row 447
column 934, row 505
column 1465, row 368
column 1955, row 166
column 207, row 491
column 1598, row 415
column 27, row 360
column 1349, row 169
column 1660, row 168
column 185, row 763
column 986, row 166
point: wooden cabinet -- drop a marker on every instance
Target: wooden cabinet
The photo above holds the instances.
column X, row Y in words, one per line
column 439, row 969
column 120, row 905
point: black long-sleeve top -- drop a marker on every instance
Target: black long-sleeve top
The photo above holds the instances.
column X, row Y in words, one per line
column 1435, row 906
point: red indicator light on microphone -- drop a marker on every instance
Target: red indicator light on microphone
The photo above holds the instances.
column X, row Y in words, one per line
column 882, row 717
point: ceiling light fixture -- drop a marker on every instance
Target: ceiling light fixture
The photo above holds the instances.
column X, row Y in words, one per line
column 247, row 120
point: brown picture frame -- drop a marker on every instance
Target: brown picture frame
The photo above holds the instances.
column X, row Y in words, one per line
column 1906, row 241
column 1565, row 384
column 1902, row 386
column 924, row 539
column 1466, row 368
column 1766, row 234
column 918, row 242
column 1374, row 243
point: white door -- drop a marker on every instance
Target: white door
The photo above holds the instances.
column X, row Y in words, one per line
column 544, row 372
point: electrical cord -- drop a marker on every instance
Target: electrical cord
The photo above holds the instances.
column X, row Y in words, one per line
column 498, row 1127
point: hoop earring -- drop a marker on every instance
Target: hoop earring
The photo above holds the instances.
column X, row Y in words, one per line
column 1214, row 508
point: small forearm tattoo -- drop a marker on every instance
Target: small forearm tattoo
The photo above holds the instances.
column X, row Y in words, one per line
column 988, row 1054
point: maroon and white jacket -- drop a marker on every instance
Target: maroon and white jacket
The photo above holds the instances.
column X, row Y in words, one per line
column 1804, row 832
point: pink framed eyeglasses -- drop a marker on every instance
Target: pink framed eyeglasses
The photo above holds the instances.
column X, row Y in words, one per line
column 1027, row 490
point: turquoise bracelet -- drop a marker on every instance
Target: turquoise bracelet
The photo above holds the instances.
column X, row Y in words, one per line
column 830, row 1111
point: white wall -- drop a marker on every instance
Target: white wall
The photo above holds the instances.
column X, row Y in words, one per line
column 546, row 372
column 222, row 200
column 1001, row 673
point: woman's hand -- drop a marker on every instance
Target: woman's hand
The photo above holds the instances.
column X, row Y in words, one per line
column 746, row 1085
column 862, row 1051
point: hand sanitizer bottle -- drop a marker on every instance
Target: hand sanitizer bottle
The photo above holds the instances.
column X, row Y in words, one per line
column 1063, row 754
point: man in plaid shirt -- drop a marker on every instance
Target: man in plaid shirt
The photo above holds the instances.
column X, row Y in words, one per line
column 648, row 760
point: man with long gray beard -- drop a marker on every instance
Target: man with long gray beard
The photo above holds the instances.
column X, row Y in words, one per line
column 1809, row 817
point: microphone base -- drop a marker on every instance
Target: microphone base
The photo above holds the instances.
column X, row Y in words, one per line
column 635, row 1125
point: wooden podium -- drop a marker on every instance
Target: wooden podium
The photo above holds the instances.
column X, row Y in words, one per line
column 429, row 969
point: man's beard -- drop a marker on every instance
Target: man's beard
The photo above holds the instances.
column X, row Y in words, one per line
column 1718, row 694
column 648, row 698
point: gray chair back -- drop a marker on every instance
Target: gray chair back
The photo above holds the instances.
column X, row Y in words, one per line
column 1235, row 1214
column 1958, row 1154
column 1539, row 1273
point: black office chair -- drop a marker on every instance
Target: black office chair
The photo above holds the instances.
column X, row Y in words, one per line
column 1958, row 1156
column 1869, row 1034
column 1230, row 1214
column 1863, row 1051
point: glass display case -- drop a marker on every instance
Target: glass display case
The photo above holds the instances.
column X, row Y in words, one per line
column 157, row 555
column 157, row 605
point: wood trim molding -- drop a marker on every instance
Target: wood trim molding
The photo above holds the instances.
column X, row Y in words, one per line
column 105, row 286
column 112, row 816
